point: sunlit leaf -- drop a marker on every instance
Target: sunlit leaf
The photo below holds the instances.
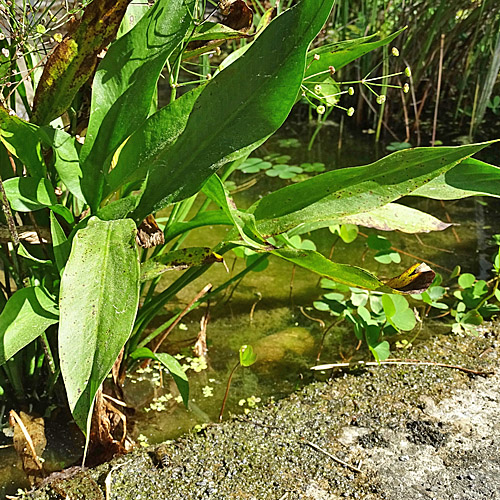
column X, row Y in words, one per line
column 23, row 141
column 381, row 351
column 74, row 59
column 27, row 193
column 260, row 87
column 466, row 280
column 27, row 314
column 393, row 216
column 328, row 197
column 414, row 280
column 398, row 312
column 348, row 232
column 469, row 178
column 247, row 355
column 124, row 85
column 98, row 302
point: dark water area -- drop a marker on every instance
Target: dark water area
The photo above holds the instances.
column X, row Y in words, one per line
column 272, row 310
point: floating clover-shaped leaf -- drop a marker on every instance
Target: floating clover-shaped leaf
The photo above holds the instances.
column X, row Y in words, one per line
column 398, row 146
column 385, row 254
column 298, row 242
column 278, row 158
column 313, row 167
column 387, row 257
column 289, row 143
column 284, row 171
column 254, row 165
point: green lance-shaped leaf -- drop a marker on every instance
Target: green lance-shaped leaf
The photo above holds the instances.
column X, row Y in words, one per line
column 171, row 364
column 396, row 217
column 22, row 251
column 215, row 31
column 238, row 108
column 341, row 273
column 152, row 139
column 22, row 140
column 73, row 60
column 66, row 151
column 125, row 83
column 340, row 193
column 98, row 303
column 27, row 314
column 177, row 260
column 26, row 194
column 469, row 178
column 416, row 279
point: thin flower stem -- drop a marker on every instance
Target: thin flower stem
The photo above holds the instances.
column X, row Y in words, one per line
column 317, row 74
column 385, row 85
column 371, row 90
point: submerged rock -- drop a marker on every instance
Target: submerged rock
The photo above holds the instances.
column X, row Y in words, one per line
column 273, row 348
column 398, row 432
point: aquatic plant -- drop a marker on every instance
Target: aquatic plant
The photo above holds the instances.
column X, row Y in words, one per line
column 79, row 294
column 463, row 302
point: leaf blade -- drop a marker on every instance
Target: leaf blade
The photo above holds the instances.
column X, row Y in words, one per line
column 267, row 77
column 126, row 79
column 98, row 302
column 26, row 315
column 339, row 193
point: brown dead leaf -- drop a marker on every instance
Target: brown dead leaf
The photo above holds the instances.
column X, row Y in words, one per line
column 108, row 432
column 29, row 443
column 416, row 279
column 149, row 234
column 200, row 347
column 237, row 14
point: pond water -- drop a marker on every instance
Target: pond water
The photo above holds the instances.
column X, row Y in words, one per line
column 272, row 310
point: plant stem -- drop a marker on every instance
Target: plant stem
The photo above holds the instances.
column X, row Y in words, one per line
column 438, row 93
column 227, row 391
column 11, row 224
